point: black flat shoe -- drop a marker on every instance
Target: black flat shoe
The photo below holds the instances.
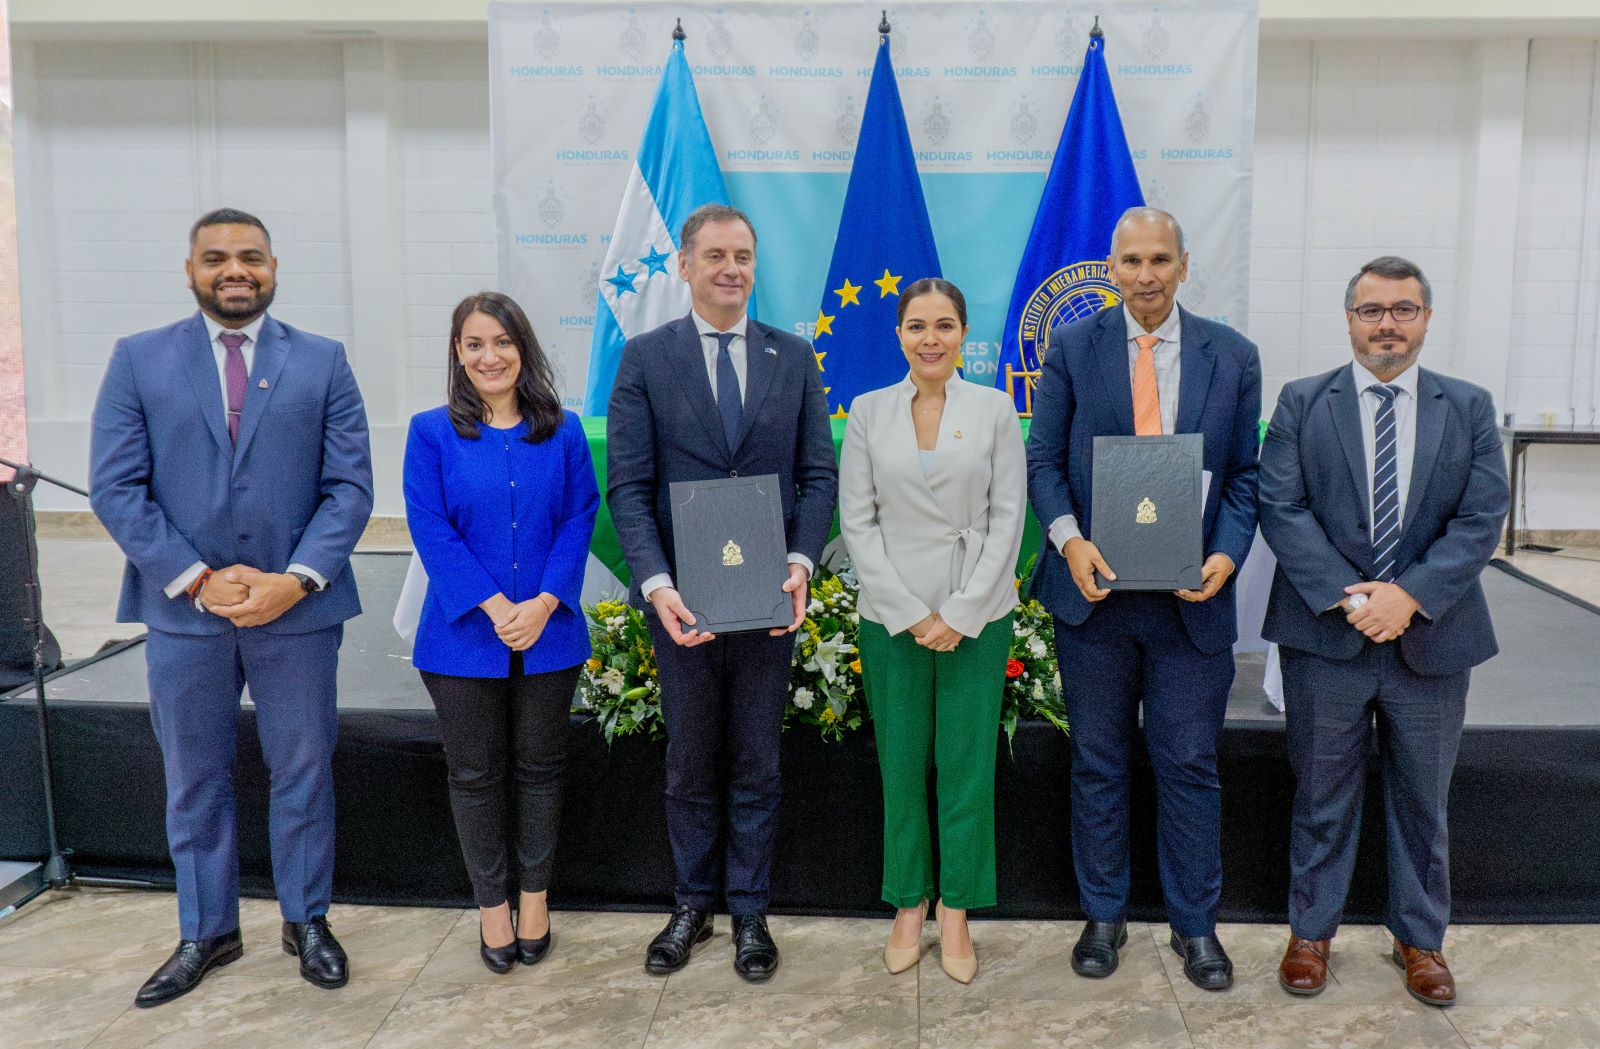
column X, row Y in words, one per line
column 497, row 959
column 322, row 960
column 1205, row 963
column 188, row 965
column 671, row 948
column 1095, row 954
column 755, row 956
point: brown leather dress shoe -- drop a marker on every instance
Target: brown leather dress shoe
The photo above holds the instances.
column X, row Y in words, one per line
column 1304, row 969
column 1428, row 978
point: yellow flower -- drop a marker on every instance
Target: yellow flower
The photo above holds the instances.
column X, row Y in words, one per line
column 827, row 717
column 855, row 664
column 594, row 666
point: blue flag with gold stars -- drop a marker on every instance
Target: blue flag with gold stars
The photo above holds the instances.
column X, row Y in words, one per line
column 884, row 244
column 1063, row 275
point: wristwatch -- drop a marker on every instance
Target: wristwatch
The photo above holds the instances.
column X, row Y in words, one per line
column 307, row 584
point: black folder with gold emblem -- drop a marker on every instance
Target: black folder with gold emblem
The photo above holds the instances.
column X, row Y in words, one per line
column 1146, row 512
column 732, row 559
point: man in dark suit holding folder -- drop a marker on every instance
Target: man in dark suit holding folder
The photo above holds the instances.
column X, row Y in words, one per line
column 1146, row 367
column 718, row 394
column 1383, row 491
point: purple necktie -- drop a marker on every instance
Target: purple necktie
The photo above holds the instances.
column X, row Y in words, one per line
column 232, row 340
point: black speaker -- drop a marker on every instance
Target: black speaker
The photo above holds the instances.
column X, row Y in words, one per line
column 16, row 638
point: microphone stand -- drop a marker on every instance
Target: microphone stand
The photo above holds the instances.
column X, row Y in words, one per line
column 56, row 871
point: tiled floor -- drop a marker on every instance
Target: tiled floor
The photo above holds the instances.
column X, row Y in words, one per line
column 71, row 961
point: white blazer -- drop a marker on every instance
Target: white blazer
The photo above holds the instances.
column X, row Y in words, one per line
column 946, row 542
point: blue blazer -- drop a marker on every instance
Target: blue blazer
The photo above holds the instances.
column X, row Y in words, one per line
column 498, row 515
column 172, row 489
column 1085, row 392
column 663, row 426
column 1314, row 515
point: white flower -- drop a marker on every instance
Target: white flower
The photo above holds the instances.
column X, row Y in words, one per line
column 814, row 607
column 1036, row 648
column 803, row 698
column 612, row 680
column 829, row 655
column 1038, row 691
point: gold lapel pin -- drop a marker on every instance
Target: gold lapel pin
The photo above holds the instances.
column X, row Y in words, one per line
column 263, row 384
column 958, row 435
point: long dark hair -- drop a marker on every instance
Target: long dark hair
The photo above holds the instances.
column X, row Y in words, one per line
column 537, row 400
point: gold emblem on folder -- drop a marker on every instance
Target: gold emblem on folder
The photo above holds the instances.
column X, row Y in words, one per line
column 1147, row 512
column 732, row 555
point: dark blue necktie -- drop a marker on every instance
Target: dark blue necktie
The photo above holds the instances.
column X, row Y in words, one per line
column 729, row 402
column 1385, row 485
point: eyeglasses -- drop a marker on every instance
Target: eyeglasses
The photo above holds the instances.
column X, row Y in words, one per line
column 1372, row 313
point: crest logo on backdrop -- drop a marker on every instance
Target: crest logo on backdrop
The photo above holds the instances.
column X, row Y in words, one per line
column 592, row 122
column 764, row 121
column 935, row 121
column 546, row 38
column 1024, row 123
column 1197, row 121
column 632, row 41
column 719, row 40
column 1156, row 38
column 807, row 38
column 552, row 206
column 980, row 37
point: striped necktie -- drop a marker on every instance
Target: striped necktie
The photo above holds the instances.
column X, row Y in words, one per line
column 1385, row 485
column 1146, row 398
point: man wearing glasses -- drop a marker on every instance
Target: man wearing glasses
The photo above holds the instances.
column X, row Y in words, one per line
column 1383, row 491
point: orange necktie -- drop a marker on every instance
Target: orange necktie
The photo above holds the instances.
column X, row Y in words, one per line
column 1146, row 402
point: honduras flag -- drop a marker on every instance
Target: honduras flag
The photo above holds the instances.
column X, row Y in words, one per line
column 676, row 171
column 884, row 243
column 1063, row 274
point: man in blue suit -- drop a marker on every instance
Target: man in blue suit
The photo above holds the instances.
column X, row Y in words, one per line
column 718, row 394
column 229, row 461
column 1145, row 367
column 1383, row 491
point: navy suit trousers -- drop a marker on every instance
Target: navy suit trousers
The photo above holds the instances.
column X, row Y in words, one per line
column 723, row 705
column 1133, row 650
column 195, row 684
column 1330, row 706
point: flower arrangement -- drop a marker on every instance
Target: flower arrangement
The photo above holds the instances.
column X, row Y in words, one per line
column 619, row 685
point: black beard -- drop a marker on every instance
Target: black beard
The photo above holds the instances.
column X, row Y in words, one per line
column 211, row 303
column 1394, row 361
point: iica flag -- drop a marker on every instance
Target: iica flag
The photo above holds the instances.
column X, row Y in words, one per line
column 675, row 172
column 1063, row 274
column 884, row 244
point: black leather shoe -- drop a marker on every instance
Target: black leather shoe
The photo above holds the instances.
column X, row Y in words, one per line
column 1095, row 954
column 532, row 952
column 188, row 965
column 1205, row 963
column 755, row 956
column 322, row 960
column 669, row 951
column 498, row 959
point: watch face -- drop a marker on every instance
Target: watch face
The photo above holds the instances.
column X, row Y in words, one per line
column 307, row 584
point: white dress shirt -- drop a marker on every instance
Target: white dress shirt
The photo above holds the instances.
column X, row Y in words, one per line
column 710, row 349
column 1405, row 428
column 251, row 333
column 1168, row 374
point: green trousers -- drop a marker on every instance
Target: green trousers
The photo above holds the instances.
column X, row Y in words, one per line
column 936, row 711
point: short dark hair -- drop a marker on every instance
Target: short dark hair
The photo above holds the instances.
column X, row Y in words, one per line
column 931, row 286
column 1390, row 267
column 537, row 400
column 228, row 217
column 711, row 213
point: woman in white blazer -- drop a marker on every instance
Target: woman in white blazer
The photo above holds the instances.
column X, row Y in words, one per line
column 932, row 492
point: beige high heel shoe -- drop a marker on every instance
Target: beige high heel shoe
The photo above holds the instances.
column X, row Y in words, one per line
column 898, row 959
column 961, row 970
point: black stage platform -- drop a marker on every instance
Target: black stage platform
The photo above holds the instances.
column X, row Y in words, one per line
column 1524, row 807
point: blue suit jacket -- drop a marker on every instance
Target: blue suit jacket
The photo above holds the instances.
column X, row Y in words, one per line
column 1085, row 392
column 1314, row 515
column 663, row 426
column 498, row 515
column 172, row 489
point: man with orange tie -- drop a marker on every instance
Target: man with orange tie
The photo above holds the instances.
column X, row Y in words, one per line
column 1145, row 367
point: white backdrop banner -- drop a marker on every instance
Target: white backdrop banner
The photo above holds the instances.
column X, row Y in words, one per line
column 985, row 88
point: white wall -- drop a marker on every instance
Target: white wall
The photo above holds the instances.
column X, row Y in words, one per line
column 369, row 160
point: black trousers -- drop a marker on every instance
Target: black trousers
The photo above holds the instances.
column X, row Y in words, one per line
column 723, row 704
column 500, row 731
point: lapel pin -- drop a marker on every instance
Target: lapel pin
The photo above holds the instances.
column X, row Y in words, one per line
column 772, row 351
column 958, row 435
column 263, row 384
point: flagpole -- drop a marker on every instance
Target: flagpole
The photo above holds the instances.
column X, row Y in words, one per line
column 883, row 27
column 678, row 33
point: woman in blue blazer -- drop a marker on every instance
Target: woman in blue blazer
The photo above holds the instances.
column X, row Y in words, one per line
column 500, row 500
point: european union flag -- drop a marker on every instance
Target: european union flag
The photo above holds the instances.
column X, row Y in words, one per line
column 884, row 242
column 1063, row 274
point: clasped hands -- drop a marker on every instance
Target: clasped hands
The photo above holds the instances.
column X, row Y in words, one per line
column 248, row 596
column 1083, row 560
column 1387, row 611
column 519, row 623
column 675, row 615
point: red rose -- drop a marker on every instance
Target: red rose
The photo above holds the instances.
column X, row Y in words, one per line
column 1014, row 668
